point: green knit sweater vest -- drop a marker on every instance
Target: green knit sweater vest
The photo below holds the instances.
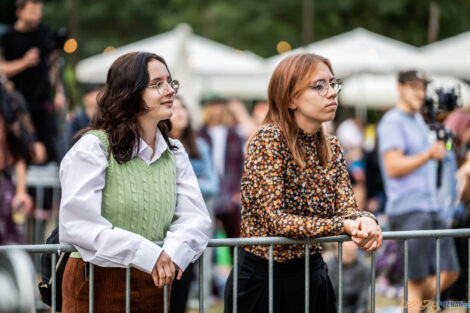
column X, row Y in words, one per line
column 138, row 197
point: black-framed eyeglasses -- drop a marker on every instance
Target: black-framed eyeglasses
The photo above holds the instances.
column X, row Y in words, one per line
column 162, row 86
column 322, row 86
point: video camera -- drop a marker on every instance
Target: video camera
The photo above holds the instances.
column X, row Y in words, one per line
column 57, row 40
column 441, row 100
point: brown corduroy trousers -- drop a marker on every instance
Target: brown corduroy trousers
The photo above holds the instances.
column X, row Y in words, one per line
column 109, row 290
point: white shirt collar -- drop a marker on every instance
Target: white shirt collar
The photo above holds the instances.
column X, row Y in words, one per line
column 145, row 152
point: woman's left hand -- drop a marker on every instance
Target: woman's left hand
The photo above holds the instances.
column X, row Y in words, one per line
column 369, row 236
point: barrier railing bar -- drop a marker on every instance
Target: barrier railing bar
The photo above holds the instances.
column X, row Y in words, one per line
column 92, row 286
column 340, row 277
column 201, row 283
column 372, row 283
column 235, row 280
column 54, row 282
column 232, row 242
column 271, row 279
column 128, row 290
column 165, row 299
column 438, row 270
column 405, row 286
column 307, row 278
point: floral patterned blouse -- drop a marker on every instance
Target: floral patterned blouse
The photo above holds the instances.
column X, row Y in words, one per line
column 281, row 199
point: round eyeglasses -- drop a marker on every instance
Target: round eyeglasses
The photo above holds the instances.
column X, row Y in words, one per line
column 322, row 86
column 162, row 86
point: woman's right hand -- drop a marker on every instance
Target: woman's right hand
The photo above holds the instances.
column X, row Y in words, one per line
column 362, row 238
column 351, row 228
column 164, row 271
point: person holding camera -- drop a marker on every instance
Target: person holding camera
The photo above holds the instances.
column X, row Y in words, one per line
column 29, row 60
column 408, row 164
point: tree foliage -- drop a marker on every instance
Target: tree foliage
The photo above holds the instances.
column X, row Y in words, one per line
column 246, row 24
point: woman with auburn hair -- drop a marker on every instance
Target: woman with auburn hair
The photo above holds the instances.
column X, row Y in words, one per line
column 295, row 184
column 125, row 184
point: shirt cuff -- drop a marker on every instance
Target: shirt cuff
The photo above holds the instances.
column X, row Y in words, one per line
column 180, row 253
column 146, row 256
column 338, row 224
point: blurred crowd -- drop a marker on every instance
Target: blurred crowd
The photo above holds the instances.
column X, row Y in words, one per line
column 33, row 100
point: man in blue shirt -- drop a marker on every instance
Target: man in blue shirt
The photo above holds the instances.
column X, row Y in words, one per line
column 408, row 156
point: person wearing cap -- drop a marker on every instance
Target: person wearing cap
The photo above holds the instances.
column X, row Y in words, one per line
column 408, row 161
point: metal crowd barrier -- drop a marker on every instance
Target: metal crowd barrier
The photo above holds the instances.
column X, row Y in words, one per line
column 40, row 178
column 236, row 243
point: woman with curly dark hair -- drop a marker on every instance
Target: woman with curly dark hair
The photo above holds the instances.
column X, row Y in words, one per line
column 125, row 184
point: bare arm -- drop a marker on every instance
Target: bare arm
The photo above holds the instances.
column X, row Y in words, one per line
column 59, row 95
column 466, row 189
column 14, row 67
column 398, row 164
column 21, row 195
column 20, row 175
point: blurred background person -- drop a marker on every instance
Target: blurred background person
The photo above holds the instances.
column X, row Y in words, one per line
column 374, row 187
column 227, row 154
column 29, row 60
column 201, row 160
column 83, row 118
column 242, row 120
column 350, row 134
column 463, row 178
column 356, row 278
column 458, row 122
column 259, row 112
column 15, row 151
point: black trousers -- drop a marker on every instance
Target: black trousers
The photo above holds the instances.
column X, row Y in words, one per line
column 180, row 290
column 44, row 120
column 289, row 286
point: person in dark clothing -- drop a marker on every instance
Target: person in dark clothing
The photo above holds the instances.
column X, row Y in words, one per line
column 29, row 60
column 374, row 186
column 83, row 118
column 356, row 278
column 16, row 151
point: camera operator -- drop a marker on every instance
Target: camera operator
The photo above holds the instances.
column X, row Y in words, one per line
column 408, row 164
column 29, row 59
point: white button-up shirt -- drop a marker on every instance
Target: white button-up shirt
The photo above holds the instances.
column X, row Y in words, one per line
column 82, row 177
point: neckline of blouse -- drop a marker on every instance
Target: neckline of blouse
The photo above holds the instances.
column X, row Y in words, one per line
column 309, row 138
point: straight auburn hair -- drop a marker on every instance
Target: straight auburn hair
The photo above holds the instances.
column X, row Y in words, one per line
column 290, row 78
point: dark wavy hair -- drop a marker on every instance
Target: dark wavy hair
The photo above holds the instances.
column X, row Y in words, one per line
column 120, row 104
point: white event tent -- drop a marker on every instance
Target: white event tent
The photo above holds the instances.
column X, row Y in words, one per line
column 201, row 65
column 360, row 51
column 450, row 56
